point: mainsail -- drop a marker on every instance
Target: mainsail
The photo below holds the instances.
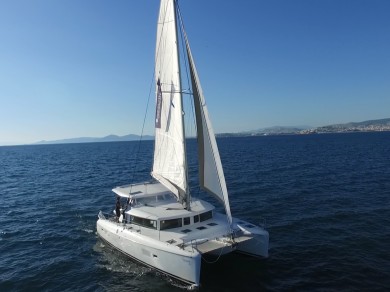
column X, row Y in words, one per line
column 169, row 165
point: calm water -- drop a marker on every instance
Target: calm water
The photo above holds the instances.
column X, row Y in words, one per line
column 326, row 200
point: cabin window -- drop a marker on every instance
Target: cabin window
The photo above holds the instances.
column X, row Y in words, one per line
column 144, row 222
column 196, row 218
column 165, row 197
column 147, row 200
column 136, row 220
column 136, row 193
column 168, row 196
column 169, row 224
column 150, row 223
column 205, row 216
column 152, row 200
column 186, row 220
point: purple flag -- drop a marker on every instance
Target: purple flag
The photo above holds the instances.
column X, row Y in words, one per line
column 158, row 105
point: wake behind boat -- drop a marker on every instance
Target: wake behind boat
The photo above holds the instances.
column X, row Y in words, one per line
column 161, row 224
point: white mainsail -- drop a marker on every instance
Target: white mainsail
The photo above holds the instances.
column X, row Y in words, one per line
column 169, row 165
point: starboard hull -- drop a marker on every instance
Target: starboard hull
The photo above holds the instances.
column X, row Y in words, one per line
column 181, row 264
column 256, row 246
column 253, row 240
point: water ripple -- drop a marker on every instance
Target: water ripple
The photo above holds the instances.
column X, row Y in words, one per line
column 326, row 200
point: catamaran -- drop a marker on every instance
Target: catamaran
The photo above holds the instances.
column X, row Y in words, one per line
column 162, row 225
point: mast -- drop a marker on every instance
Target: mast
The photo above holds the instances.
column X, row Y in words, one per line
column 187, row 190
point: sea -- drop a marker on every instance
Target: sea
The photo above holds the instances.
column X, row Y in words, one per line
column 325, row 200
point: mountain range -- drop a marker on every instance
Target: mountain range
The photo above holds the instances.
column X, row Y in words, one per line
column 365, row 126
column 109, row 138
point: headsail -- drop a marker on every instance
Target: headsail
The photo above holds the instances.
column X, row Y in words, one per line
column 211, row 176
column 169, row 165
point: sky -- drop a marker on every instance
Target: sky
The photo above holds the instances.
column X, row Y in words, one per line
column 84, row 68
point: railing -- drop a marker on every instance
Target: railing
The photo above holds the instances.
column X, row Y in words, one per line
column 193, row 243
column 107, row 216
column 225, row 239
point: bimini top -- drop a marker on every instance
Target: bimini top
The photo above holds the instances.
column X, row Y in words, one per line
column 154, row 201
column 140, row 189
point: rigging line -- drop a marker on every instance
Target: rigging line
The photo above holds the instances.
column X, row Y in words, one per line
column 180, row 91
column 146, row 112
column 216, row 260
column 186, row 66
column 180, row 27
column 142, row 132
column 183, row 42
column 183, row 46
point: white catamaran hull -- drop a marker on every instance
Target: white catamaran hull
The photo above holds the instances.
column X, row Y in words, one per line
column 183, row 264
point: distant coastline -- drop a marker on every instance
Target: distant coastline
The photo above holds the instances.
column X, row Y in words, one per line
column 366, row 126
column 380, row 125
column 109, row 138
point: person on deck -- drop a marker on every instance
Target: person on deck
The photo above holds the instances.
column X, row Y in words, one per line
column 118, row 209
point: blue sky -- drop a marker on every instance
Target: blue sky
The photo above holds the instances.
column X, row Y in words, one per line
column 79, row 68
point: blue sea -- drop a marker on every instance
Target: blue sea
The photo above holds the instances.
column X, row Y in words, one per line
column 325, row 200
